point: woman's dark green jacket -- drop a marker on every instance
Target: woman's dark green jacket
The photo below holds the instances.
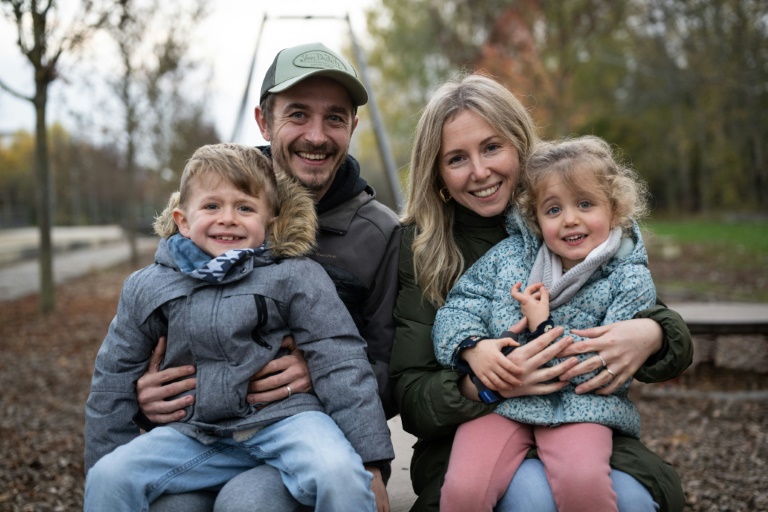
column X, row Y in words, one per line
column 431, row 407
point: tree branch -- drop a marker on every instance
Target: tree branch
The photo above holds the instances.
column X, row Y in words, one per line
column 14, row 92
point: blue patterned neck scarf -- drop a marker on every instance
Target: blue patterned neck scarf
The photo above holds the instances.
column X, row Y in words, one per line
column 195, row 262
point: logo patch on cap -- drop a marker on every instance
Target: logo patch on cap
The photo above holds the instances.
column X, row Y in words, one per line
column 319, row 60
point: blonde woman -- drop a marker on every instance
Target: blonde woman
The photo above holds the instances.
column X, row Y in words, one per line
column 465, row 171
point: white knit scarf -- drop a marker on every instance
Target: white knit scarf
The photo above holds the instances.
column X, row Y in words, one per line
column 548, row 269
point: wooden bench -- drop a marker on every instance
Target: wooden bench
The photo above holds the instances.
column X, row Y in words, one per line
column 724, row 317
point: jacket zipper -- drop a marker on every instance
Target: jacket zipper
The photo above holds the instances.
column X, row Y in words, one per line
column 261, row 321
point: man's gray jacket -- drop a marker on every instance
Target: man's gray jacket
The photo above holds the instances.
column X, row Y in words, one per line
column 229, row 331
column 358, row 244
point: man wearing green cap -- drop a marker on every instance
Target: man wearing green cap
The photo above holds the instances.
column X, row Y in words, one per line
column 308, row 112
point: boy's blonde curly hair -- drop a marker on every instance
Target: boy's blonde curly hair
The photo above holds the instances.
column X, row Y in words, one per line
column 583, row 163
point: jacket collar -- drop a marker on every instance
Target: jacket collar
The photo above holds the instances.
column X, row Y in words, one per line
column 465, row 217
column 346, row 184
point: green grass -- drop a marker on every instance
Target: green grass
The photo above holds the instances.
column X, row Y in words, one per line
column 709, row 259
column 747, row 236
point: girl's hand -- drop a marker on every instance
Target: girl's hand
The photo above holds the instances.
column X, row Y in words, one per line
column 490, row 365
column 155, row 387
column 534, row 303
column 624, row 346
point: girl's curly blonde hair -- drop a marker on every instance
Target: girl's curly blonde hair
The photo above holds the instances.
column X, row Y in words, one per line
column 583, row 163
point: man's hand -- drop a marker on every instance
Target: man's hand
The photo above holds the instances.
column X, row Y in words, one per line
column 272, row 381
column 153, row 389
column 379, row 489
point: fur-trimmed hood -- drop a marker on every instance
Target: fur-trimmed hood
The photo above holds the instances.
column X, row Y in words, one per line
column 294, row 230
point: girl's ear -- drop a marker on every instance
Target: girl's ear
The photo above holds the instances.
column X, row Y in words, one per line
column 180, row 218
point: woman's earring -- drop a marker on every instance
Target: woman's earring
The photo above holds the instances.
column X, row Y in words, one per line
column 445, row 196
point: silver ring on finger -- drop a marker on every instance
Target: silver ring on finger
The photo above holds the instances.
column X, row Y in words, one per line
column 613, row 375
column 289, row 391
column 601, row 359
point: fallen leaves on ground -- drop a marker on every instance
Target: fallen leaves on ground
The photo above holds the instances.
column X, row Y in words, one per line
column 719, row 447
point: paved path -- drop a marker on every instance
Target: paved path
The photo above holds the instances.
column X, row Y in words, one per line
column 22, row 277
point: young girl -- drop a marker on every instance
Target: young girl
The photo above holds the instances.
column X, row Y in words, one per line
column 591, row 270
column 227, row 285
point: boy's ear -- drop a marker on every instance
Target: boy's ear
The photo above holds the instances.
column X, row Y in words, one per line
column 181, row 222
column 271, row 224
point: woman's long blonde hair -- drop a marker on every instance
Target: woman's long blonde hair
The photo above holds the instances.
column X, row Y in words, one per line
column 293, row 231
column 437, row 261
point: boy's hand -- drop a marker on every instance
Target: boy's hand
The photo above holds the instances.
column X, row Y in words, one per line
column 534, row 303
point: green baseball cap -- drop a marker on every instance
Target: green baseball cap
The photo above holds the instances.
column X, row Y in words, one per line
column 292, row 65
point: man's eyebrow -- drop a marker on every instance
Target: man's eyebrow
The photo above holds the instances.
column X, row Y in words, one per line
column 333, row 109
column 338, row 109
column 297, row 105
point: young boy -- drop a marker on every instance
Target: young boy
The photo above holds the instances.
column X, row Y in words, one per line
column 227, row 285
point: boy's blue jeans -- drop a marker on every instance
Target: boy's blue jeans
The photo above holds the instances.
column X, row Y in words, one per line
column 317, row 464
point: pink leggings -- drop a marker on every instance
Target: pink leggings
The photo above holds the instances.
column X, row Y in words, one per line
column 487, row 451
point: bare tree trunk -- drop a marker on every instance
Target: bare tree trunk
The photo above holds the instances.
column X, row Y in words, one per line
column 42, row 170
column 134, row 201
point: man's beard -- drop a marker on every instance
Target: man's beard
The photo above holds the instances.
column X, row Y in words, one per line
column 280, row 160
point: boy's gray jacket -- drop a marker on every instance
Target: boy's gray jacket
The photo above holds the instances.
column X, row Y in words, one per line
column 229, row 331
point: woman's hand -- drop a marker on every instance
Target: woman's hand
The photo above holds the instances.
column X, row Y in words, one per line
column 155, row 387
column 271, row 383
column 624, row 347
column 535, row 378
column 528, row 361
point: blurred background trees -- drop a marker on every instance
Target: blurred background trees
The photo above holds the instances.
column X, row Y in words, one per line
column 43, row 38
column 150, row 39
column 681, row 86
